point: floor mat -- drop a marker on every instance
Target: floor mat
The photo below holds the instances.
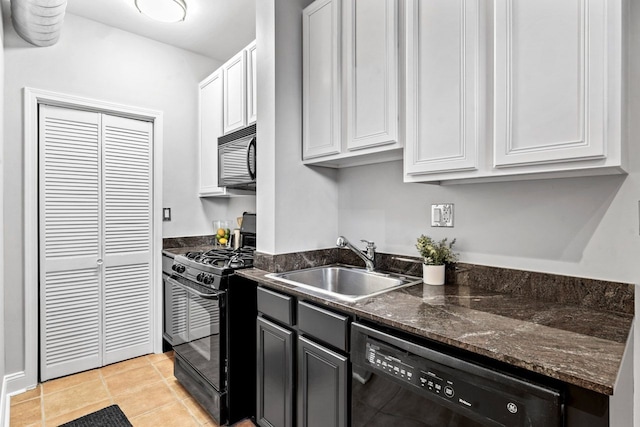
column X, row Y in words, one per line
column 111, row 416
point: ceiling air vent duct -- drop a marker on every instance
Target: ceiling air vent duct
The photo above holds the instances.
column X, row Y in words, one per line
column 38, row 21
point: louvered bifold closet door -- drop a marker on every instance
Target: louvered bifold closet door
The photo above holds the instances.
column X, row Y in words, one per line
column 127, row 186
column 70, row 241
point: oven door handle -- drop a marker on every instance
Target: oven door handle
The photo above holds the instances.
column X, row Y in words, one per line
column 213, row 296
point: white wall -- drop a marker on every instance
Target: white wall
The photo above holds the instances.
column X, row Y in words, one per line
column 584, row 227
column 296, row 205
column 2, row 319
column 100, row 62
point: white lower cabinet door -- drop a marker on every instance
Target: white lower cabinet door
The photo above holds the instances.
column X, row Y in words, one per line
column 95, row 240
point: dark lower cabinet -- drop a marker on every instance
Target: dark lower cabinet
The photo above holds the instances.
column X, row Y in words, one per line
column 274, row 375
column 302, row 368
column 322, row 386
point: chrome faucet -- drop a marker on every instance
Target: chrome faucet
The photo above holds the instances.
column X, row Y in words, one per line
column 368, row 255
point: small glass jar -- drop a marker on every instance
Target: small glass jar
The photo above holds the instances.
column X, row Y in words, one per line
column 222, row 232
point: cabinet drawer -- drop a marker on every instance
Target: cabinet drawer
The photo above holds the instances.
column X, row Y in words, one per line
column 325, row 325
column 276, row 306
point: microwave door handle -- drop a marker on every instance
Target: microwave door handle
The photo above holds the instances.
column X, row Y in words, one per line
column 252, row 173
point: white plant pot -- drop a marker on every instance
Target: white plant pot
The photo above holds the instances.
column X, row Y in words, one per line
column 433, row 274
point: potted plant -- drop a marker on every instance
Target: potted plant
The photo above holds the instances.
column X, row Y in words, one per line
column 435, row 256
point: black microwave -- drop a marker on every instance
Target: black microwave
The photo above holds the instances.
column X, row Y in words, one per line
column 237, row 159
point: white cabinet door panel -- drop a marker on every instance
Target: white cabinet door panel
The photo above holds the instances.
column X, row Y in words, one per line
column 211, row 128
column 550, row 81
column 252, row 85
column 321, row 133
column 235, row 92
column 444, row 87
column 371, row 67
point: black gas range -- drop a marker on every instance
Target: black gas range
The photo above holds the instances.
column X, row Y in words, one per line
column 204, row 321
column 210, row 268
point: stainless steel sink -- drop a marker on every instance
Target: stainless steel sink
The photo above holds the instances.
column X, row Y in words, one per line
column 347, row 283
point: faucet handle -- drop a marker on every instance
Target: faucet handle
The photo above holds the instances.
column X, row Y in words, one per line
column 369, row 243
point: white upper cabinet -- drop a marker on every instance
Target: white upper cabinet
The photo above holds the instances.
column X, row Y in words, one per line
column 550, row 85
column 554, row 108
column 371, row 68
column 211, row 95
column 252, row 88
column 235, row 92
column 350, row 82
column 321, row 111
column 444, row 86
column 239, row 82
column 227, row 102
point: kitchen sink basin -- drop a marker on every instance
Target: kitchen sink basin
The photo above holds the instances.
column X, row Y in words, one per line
column 344, row 282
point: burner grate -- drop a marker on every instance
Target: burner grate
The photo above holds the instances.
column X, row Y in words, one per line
column 223, row 257
column 193, row 255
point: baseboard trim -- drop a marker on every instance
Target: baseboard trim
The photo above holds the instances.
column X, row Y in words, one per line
column 12, row 384
column 4, row 404
column 16, row 383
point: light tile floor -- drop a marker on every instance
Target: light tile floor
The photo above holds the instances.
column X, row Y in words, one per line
column 144, row 388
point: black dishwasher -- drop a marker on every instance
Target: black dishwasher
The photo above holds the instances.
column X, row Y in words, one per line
column 398, row 382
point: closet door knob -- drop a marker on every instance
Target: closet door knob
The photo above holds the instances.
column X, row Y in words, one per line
column 99, row 262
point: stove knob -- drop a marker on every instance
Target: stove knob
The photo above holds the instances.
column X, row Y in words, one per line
column 181, row 269
column 208, row 279
column 173, row 267
column 199, row 277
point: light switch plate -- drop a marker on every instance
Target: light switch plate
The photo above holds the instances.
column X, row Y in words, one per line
column 442, row 215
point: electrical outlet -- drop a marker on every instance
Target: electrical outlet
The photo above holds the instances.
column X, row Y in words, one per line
column 166, row 214
column 442, row 215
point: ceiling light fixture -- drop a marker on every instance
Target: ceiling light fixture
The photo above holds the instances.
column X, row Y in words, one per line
column 163, row 10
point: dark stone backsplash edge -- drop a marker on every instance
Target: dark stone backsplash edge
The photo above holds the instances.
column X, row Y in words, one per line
column 187, row 242
column 595, row 294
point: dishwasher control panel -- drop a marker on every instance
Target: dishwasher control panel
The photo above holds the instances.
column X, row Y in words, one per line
column 441, row 382
column 427, row 379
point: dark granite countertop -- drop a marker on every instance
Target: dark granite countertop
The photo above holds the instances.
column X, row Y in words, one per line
column 575, row 344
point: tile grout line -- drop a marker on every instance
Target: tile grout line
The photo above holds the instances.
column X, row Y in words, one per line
column 112, row 398
column 163, row 380
column 104, row 383
column 42, row 419
column 190, row 412
column 100, row 377
column 180, row 401
column 152, row 410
